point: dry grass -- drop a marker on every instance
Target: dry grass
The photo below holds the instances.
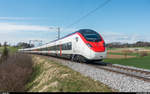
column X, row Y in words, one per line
column 115, row 51
column 54, row 77
column 125, row 53
column 15, row 72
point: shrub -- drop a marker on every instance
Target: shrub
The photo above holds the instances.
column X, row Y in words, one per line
column 143, row 53
column 15, row 72
column 126, row 52
column 4, row 53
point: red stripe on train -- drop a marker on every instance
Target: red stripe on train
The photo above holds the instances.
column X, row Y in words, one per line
column 96, row 46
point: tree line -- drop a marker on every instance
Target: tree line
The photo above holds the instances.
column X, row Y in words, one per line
column 124, row 45
column 24, row 45
column 20, row 45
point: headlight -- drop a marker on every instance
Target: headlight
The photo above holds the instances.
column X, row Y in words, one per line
column 89, row 45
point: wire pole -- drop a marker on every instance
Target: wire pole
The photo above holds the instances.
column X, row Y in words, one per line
column 58, row 32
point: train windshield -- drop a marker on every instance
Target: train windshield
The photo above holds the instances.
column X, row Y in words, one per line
column 90, row 35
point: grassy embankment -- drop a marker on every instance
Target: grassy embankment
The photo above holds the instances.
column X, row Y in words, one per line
column 49, row 76
column 141, row 62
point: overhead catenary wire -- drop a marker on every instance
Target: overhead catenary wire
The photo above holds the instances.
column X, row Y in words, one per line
column 89, row 13
column 85, row 16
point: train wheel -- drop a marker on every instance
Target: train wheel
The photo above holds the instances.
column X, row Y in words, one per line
column 75, row 58
column 72, row 57
column 83, row 59
column 78, row 59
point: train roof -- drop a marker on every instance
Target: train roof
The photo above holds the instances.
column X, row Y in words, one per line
column 80, row 31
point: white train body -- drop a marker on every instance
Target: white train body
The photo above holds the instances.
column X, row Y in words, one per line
column 72, row 46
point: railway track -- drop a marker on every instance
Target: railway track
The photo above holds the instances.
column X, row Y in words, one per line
column 139, row 74
column 136, row 73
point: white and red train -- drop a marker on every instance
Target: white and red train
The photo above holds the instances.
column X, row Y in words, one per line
column 82, row 45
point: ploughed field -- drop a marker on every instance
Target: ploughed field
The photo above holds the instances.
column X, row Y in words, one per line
column 137, row 57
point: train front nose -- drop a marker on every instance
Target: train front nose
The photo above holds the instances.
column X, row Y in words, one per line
column 95, row 43
column 100, row 55
column 98, row 50
column 98, row 46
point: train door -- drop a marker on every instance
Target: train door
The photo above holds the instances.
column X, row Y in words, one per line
column 76, row 45
column 56, row 49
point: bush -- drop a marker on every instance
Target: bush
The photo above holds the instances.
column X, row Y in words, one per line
column 15, row 72
column 5, row 53
column 143, row 53
column 126, row 52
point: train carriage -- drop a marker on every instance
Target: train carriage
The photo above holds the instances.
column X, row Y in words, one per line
column 82, row 45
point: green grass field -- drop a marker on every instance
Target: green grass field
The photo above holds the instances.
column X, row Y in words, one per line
column 140, row 62
column 130, row 54
column 11, row 49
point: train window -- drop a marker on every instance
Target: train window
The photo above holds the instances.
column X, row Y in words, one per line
column 53, row 48
column 57, row 47
column 65, row 46
column 69, row 46
column 48, row 48
column 90, row 35
column 45, row 49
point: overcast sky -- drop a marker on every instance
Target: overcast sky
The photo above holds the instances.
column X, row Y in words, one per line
column 118, row 21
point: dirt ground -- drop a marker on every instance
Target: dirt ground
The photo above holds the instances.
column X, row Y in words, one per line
column 123, row 50
column 118, row 56
column 115, row 51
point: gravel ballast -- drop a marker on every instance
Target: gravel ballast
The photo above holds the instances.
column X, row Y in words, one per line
column 117, row 81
